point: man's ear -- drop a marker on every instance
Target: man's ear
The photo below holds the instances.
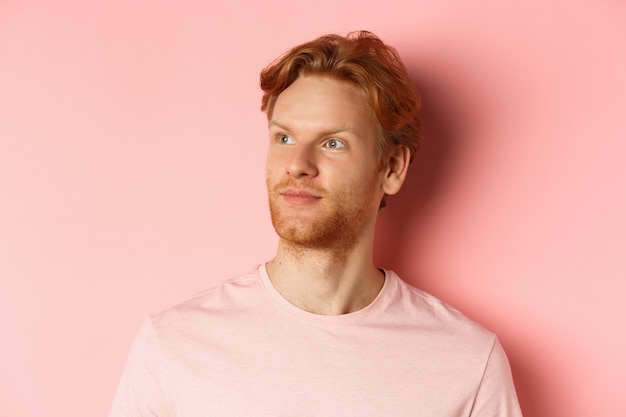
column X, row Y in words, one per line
column 396, row 167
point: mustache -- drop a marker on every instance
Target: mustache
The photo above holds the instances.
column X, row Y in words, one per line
column 303, row 185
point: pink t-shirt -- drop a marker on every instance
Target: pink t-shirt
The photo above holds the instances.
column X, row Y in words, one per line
column 241, row 349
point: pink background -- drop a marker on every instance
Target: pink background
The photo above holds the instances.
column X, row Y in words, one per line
column 132, row 177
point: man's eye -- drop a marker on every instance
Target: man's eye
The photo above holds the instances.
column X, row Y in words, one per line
column 335, row 144
column 286, row 139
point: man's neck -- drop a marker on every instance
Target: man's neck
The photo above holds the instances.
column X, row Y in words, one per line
column 323, row 281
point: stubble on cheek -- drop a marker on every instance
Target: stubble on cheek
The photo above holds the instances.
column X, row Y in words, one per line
column 333, row 225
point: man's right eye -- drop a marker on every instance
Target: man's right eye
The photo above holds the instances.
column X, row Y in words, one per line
column 286, row 139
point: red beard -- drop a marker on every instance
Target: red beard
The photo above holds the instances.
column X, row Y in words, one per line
column 334, row 223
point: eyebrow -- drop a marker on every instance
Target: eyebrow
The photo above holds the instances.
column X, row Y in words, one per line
column 330, row 131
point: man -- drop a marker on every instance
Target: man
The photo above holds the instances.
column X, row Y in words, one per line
column 319, row 330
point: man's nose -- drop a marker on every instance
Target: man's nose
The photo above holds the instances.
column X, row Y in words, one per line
column 302, row 161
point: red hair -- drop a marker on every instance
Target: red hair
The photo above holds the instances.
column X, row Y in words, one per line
column 363, row 59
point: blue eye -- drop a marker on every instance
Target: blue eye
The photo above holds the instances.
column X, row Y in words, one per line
column 286, row 139
column 335, row 144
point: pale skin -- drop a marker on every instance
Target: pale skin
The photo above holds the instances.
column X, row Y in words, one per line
column 322, row 147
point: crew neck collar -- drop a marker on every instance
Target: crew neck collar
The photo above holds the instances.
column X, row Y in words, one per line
column 347, row 318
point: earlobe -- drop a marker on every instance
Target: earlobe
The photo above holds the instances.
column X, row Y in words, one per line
column 396, row 169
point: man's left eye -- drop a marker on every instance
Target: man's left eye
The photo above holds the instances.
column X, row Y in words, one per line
column 334, row 144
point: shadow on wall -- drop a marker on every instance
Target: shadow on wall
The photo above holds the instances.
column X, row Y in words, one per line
column 407, row 212
column 446, row 125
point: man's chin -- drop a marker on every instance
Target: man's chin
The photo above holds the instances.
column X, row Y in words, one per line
column 303, row 233
column 315, row 236
column 329, row 229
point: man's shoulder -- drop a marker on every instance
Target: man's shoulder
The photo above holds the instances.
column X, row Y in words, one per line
column 428, row 313
column 235, row 293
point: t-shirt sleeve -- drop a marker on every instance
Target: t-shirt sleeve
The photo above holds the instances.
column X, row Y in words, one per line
column 140, row 392
column 496, row 395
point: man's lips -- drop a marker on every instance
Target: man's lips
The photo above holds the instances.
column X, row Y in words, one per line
column 296, row 196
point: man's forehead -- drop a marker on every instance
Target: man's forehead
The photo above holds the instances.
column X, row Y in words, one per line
column 324, row 103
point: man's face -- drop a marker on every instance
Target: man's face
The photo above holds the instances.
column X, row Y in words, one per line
column 323, row 180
